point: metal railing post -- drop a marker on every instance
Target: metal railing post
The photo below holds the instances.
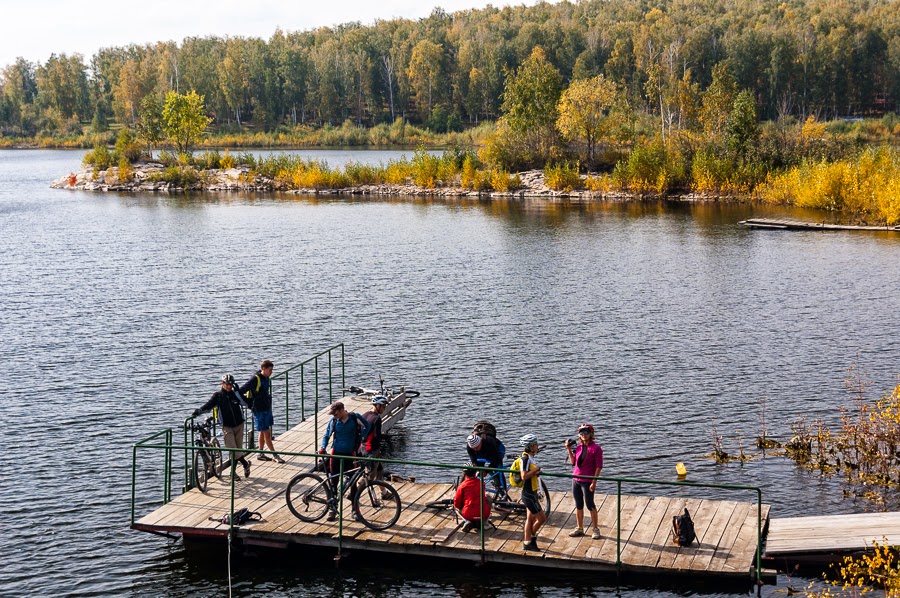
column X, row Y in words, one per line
column 481, row 499
column 188, row 454
column 339, row 497
column 287, row 401
column 343, row 368
column 133, row 479
column 316, row 389
column 758, row 537
column 231, row 457
column 618, row 525
column 167, row 475
column 330, row 389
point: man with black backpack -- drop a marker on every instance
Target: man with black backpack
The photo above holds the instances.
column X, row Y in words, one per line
column 258, row 391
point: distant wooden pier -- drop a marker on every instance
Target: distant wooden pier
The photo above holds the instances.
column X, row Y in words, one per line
column 787, row 224
column 828, row 538
column 726, row 547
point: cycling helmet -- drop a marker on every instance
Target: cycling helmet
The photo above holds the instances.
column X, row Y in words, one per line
column 528, row 440
column 379, row 400
column 586, row 429
column 473, row 441
column 228, row 379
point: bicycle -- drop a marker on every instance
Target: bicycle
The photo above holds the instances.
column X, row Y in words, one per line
column 500, row 494
column 375, row 504
column 207, row 455
column 385, row 391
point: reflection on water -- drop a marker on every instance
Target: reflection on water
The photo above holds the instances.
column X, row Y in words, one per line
column 655, row 321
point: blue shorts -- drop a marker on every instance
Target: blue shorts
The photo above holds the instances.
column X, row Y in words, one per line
column 263, row 420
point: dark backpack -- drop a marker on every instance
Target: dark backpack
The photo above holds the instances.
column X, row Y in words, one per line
column 683, row 532
column 241, row 516
column 485, row 428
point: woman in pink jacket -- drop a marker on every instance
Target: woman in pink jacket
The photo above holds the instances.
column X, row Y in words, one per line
column 587, row 457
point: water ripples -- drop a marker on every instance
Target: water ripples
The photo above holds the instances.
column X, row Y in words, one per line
column 656, row 323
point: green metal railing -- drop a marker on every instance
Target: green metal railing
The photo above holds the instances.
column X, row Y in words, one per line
column 303, row 366
column 167, row 446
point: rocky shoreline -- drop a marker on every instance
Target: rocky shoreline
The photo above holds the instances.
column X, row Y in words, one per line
column 146, row 178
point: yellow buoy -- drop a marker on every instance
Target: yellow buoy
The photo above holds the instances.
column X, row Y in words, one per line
column 680, row 469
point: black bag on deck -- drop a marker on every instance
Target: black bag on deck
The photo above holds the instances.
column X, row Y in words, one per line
column 683, row 532
column 241, row 516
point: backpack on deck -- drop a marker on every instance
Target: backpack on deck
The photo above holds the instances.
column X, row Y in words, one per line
column 515, row 474
column 241, row 516
column 683, row 532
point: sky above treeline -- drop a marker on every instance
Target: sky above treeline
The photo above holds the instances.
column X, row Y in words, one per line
column 35, row 29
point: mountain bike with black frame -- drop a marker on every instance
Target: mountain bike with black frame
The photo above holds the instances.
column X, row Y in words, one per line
column 374, row 503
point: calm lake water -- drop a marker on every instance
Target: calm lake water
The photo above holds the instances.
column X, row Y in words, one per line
column 655, row 322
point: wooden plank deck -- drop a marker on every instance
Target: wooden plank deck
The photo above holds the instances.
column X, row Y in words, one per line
column 835, row 534
column 788, row 224
column 726, row 530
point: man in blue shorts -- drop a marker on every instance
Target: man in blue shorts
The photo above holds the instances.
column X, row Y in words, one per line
column 258, row 391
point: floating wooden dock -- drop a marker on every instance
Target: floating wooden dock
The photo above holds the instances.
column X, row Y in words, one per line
column 727, row 530
column 786, row 224
column 827, row 538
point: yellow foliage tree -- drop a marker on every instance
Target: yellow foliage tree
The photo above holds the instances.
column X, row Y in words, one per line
column 584, row 112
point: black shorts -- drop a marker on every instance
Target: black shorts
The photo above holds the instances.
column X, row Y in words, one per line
column 530, row 500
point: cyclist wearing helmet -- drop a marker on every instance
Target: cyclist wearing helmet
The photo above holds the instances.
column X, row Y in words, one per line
column 371, row 444
column 587, row 458
column 534, row 514
column 484, row 446
column 229, row 404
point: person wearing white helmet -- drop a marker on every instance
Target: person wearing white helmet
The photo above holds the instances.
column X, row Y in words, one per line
column 371, row 444
column 229, row 403
column 534, row 514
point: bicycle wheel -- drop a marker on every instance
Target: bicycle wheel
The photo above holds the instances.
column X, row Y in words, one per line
column 440, row 505
column 377, row 504
column 215, row 458
column 308, row 496
column 201, row 469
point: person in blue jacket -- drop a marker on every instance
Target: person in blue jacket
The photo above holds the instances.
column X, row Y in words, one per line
column 347, row 429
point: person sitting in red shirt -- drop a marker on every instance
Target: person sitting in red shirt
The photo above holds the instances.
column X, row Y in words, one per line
column 466, row 500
